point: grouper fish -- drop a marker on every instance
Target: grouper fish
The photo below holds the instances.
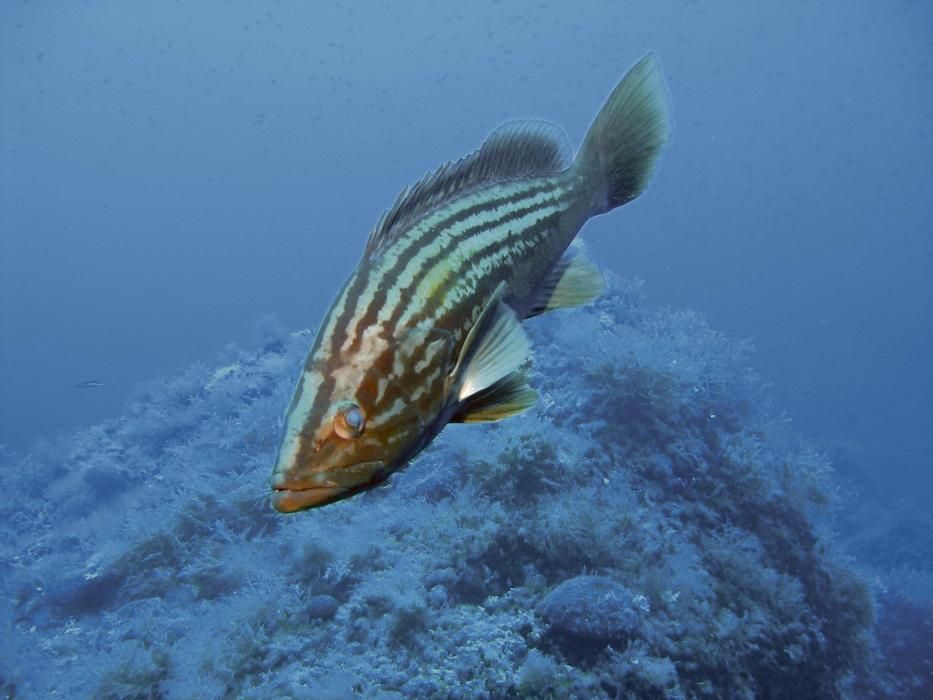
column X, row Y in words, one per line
column 427, row 330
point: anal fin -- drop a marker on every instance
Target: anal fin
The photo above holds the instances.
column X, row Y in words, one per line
column 574, row 281
column 509, row 396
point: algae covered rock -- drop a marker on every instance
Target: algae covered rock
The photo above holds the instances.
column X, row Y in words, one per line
column 322, row 607
column 592, row 610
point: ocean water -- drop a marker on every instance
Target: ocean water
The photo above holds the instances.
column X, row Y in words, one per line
column 724, row 490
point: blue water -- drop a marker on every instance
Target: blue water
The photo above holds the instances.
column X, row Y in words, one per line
column 172, row 174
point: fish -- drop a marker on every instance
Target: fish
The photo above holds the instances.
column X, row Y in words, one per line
column 427, row 330
column 90, row 384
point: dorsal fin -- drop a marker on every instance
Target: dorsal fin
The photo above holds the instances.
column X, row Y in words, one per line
column 516, row 149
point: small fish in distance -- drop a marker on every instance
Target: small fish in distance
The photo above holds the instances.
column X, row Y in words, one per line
column 90, row 384
column 427, row 330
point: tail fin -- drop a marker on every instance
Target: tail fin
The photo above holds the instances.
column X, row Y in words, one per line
column 622, row 146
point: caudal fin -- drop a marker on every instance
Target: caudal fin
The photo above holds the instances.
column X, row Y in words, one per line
column 623, row 144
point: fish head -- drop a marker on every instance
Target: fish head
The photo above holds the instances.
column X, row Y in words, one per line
column 353, row 421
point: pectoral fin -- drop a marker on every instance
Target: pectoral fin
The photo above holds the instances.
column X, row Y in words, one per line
column 495, row 347
column 509, row 396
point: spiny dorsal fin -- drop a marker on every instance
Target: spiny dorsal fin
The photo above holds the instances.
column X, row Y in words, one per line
column 495, row 347
column 574, row 281
column 516, row 149
column 509, row 396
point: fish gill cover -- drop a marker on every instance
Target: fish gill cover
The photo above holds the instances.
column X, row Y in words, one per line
column 646, row 531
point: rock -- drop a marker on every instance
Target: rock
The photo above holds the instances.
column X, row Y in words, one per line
column 322, row 607
column 591, row 609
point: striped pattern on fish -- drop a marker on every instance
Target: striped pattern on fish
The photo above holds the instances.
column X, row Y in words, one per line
column 427, row 329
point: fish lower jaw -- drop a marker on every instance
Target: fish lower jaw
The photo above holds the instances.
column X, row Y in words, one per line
column 289, row 496
column 287, row 500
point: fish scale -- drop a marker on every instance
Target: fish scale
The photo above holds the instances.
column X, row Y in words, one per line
column 445, row 236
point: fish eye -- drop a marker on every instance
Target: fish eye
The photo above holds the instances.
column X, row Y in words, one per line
column 349, row 421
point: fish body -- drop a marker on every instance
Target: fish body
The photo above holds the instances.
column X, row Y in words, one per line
column 427, row 329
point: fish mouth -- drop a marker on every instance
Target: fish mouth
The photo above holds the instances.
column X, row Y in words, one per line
column 292, row 500
column 328, row 487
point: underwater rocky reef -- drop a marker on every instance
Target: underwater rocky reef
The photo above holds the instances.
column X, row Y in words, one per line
column 649, row 530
